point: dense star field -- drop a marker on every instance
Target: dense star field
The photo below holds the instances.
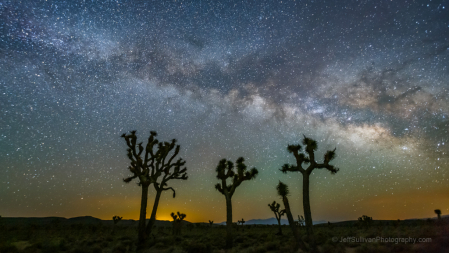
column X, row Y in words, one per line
column 226, row 79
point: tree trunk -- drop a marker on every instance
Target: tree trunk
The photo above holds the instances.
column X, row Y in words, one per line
column 143, row 214
column 306, row 204
column 229, row 232
column 153, row 213
column 279, row 223
column 291, row 222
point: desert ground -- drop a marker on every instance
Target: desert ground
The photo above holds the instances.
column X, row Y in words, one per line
column 105, row 237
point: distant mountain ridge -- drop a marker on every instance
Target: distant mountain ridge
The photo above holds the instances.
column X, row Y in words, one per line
column 89, row 220
column 270, row 221
column 85, row 220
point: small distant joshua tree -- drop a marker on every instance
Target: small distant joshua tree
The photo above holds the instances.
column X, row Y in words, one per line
column 301, row 158
column 177, row 222
column 274, row 207
column 301, row 221
column 149, row 165
column 365, row 220
column 211, row 222
column 242, row 221
column 438, row 213
column 283, row 191
column 116, row 219
column 225, row 169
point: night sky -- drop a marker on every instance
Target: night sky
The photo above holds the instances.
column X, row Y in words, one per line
column 226, row 79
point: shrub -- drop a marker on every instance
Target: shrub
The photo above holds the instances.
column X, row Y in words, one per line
column 332, row 248
column 8, row 248
column 120, row 248
column 197, row 247
column 271, row 246
column 97, row 249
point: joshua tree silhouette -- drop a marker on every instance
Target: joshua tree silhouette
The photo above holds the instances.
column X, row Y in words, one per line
column 365, row 220
column 301, row 221
column 310, row 147
column 149, row 168
column 177, row 222
column 241, row 221
column 225, row 170
column 438, row 212
column 116, row 219
column 278, row 214
column 283, row 191
column 211, row 222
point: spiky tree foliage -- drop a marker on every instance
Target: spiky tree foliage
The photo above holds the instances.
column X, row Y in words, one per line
column 165, row 169
column 438, row 212
column 274, row 207
column 140, row 169
column 116, row 219
column 177, row 222
column 308, row 157
column 225, row 169
column 283, row 191
column 211, row 222
column 149, row 164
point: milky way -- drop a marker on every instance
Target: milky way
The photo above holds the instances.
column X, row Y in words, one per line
column 229, row 79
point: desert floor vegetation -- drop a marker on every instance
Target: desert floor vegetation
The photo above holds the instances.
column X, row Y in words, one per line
column 203, row 238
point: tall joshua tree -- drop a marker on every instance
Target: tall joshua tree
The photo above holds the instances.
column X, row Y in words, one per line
column 148, row 165
column 308, row 158
column 283, row 191
column 225, row 169
column 166, row 170
column 278, row 213
column 140, row 169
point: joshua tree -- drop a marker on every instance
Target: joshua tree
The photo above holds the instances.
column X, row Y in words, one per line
column 225, row 170
column 365, row 220
column 308, row 158
column 241, row 222
column 278, row 214
column 177, row 222
column 116, row 219
column 438, row 212
column 211, row 222
column 283, row 191
column 148, row 166
column 301, row 221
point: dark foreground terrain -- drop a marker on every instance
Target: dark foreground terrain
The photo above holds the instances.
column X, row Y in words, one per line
column 60, row 235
